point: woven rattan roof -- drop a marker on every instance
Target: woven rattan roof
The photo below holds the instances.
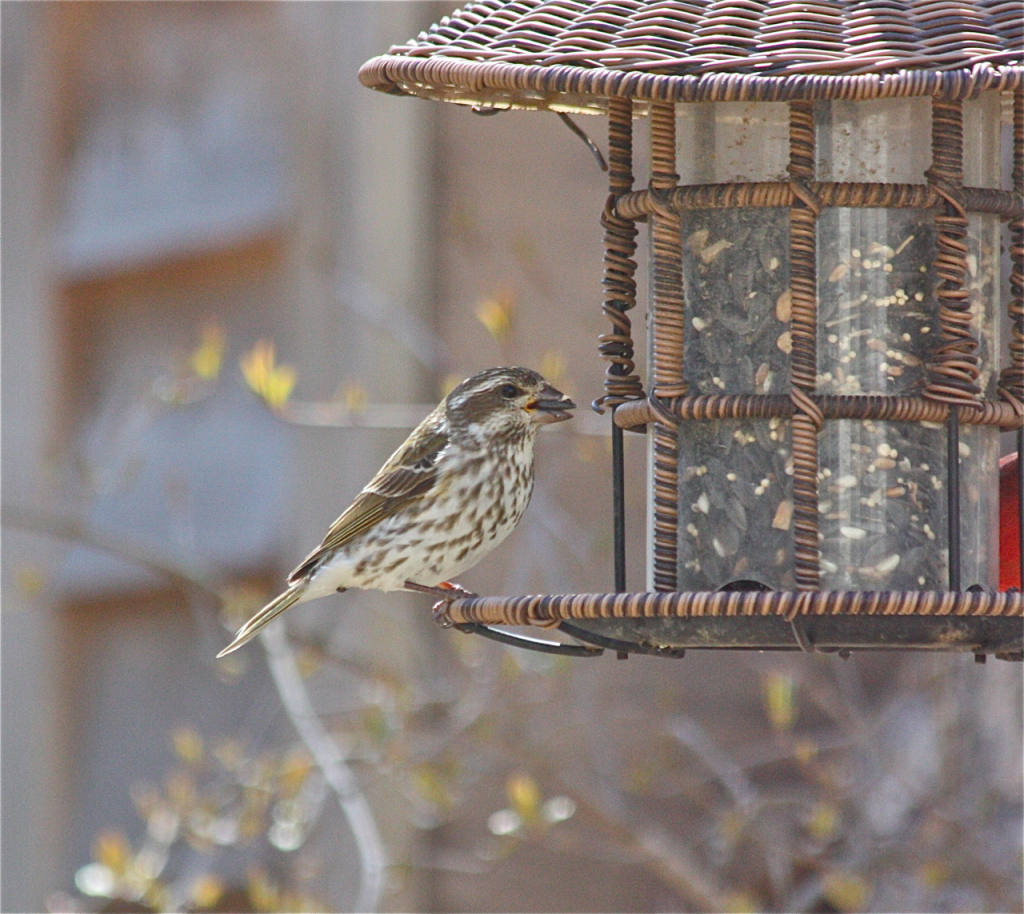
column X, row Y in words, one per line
column 569, row 53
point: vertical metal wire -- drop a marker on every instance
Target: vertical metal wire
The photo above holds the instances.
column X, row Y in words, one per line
column 618, row 508
column 667, row 317
column 621, row 380
column 667, row 261
column 953, row 495
column 807, row 418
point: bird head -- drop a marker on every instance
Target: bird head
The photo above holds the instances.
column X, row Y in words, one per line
column 506, row 400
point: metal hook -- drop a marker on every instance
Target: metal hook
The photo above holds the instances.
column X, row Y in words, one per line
column 591, row 145
column 797, row 624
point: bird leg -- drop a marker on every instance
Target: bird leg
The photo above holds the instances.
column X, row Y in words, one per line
column 447, row 592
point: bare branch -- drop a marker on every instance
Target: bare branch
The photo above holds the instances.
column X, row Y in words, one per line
column 331, row 762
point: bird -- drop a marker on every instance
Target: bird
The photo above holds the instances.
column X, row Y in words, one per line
column 455, row 489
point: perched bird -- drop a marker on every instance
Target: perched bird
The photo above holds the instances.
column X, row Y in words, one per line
column 451, row 493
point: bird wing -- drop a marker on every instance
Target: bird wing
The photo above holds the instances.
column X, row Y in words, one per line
column 409, row 474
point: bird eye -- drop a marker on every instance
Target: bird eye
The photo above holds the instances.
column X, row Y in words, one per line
column 509, row 391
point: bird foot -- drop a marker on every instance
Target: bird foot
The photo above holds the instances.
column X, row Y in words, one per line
column 448, row 592
column 439, row 613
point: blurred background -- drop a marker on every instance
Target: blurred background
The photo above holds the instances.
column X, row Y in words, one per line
column 233, row 280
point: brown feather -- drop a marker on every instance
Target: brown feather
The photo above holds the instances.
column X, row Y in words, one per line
column 409, row 474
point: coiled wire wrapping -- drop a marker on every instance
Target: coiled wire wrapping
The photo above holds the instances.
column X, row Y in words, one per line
column 803, row 285
column 548, row 611
column 953, row 367
column 1006, row 414
column 621, row 380
column 639, row 204
column 667, row 327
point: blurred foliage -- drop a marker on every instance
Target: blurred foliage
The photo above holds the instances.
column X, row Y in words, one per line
column 777, row 687
column 267, row 379
column 208, row 356
column 495, row 313
column 221, row 821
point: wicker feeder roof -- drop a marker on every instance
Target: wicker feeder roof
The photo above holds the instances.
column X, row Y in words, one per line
column 570, row 55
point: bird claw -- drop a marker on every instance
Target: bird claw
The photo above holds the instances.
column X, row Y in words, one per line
column 455, row 592
column 440, row 614
column 447, row 592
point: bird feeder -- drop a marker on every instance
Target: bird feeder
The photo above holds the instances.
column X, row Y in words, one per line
column 824, row 400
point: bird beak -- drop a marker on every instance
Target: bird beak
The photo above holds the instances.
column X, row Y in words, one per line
column 550, row 406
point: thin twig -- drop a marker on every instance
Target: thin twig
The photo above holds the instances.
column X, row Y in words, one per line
column 332, row 414
column 74, row 529
column 330, row 761
column 729, row 773
column 403, row 324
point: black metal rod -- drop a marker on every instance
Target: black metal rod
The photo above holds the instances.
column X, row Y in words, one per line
column 581, row 133
column 621, row 647
column 953, row 495
column 618, row 507
column 1020, row 502
column 530, row 644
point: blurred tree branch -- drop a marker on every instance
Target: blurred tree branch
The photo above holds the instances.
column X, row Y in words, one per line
column 291, row 687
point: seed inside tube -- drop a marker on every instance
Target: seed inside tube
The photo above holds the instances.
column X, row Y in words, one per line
column 784, row 306
column 838, row 272
column 710, row 253
column 889, row 564
column 872, row 517
column 783, row 515
column 903, row 244
column 874, row 538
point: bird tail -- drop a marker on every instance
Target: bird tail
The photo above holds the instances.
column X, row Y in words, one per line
column 273, row 609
